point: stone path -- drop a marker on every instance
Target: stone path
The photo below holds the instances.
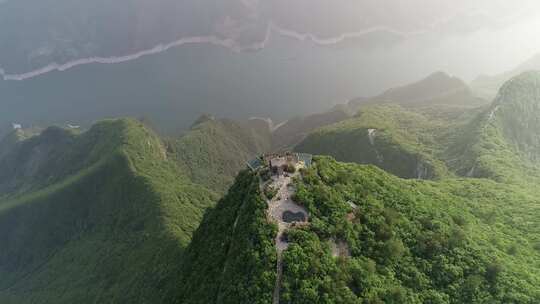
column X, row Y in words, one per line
column 279, row 205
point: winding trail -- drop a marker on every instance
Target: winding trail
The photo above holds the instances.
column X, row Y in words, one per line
column 277, row 206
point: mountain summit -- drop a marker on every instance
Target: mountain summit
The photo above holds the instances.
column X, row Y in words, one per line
column 517, row 109
column 370, row 238
column 502, row 142
column 436, row 89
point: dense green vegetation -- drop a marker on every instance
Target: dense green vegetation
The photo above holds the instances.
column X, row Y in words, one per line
column 502, row 141
column 232, row 257
column 213, row 151
column 407, row 241
column 106, row 215
column 453, row 241
column 108, row 222
column 450, row 241
column 498, row 141
column 402, row 142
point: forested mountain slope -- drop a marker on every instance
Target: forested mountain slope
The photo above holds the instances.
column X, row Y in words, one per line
column 503, row 142
column 103, row 217
column 214, row 151
column 232, row 257
column 498, row 141
column 399, row 141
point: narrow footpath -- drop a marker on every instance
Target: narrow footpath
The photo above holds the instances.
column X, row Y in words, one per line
column 283, row 211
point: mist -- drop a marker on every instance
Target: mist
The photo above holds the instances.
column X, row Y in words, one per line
column 314, row 54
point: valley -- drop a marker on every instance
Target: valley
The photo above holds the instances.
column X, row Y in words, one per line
column 167, row 88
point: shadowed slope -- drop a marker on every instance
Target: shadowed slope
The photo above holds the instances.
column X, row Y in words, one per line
column 110, row 225
column 214, row 151
column 390, row 137
column 232, row 257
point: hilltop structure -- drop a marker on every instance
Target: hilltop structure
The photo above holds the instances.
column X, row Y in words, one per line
column 282, row 162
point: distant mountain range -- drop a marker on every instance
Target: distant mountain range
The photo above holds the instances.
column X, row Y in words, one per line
column 436, row 89
column 83, row 95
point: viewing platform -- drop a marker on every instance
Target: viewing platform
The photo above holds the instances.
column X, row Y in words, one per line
column 279, row 162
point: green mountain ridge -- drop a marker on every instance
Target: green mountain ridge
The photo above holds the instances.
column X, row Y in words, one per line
column 517, row 108
column 295, row 130
column 408, row 241
column 232, row 256
column 397, row 140
column 113, row 232
column 114, row 197
column 214, row 151
column 436, row 89
column 497, row 141
column 502, row 142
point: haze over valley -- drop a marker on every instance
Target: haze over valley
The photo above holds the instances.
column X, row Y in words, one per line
column 202, row 65
column 248, row 151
